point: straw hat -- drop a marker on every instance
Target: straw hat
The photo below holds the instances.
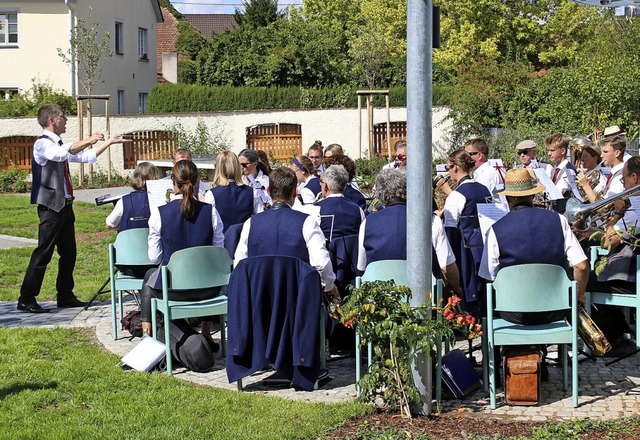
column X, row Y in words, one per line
column 518, row 183
column 614, row 130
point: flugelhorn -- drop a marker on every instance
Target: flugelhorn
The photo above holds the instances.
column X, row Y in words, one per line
column 577, row 212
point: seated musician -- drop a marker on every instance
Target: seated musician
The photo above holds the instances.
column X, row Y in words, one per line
column 339, row 216
column 613, row 153
column 132, row 210
column 383, row 234
column 527, row 154
column 619, row 274
column 515, row 239
column 561, row 170
column 591, row 181
column 182, row 223
column 284, row 231
column 483, row 172
column 351, row 191
column 308, row 182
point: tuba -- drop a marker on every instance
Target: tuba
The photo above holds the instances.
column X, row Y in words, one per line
column 438, row 193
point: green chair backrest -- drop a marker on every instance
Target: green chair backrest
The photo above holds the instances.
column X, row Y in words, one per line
column 132, row 247
column 532, row 288
column 385, row 270
column 199, row 267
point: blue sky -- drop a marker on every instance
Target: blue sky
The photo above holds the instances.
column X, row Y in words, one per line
column 217, row 6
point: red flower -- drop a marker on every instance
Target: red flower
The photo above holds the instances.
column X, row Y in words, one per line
column 350, row 323
column 448, row 314
column 471, row 320
column 453, row 300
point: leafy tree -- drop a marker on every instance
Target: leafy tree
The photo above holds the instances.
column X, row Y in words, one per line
column 89, row 50
column 190, row 40
column 257, row 13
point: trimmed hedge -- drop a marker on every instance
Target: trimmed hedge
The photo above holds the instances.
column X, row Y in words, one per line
column 179, row 98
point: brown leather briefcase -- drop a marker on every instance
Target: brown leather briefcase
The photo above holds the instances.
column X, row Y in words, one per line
column 522, row 376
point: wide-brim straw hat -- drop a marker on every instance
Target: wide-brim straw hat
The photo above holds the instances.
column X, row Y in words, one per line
column 518, row 183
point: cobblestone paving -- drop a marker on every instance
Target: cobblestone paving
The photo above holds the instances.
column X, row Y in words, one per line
column 605, row 392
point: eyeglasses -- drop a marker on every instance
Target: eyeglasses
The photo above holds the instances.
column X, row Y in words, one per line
column 245, row 164
column 624, row 176
column 447, row 167
column 521, row 152
column 401, row 156
column 472, row 153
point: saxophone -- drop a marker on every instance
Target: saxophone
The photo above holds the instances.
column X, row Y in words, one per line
column 591, row 335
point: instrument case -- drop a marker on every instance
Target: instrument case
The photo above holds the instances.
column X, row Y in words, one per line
column 522, row 367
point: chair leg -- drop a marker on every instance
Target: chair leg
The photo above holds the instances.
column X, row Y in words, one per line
column 167, row 338
column 239, row 383
column 574, row 375
column 485, row 358
column 492, row 375
column 438, row 370
column 223, row 334
column 564, row 352
column 114, row 316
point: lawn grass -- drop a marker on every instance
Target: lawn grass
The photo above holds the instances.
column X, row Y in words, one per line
column 58, row 384
column 19, row 218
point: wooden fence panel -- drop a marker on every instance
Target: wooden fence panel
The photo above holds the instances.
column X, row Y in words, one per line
column 279, row 141
column 15, row 152
column 148, row 145
column 398, row 132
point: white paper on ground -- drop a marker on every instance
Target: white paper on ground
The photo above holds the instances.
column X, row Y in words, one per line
column 145, row 355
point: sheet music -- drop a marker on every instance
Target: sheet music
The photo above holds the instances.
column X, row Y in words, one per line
column 488, row 214
column 635, row 203
column 571, row 178
column 145, row 355
column 157, row 192
column 553, row 193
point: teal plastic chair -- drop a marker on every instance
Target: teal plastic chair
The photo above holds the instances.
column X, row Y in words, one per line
column 130, row 248
column 616, row 299
column 199, row 267
column 396, row 270
column 547, row 288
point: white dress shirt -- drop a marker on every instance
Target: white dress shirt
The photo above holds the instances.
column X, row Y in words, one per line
column 155, row 228
column 489, row 177
column 615, row 185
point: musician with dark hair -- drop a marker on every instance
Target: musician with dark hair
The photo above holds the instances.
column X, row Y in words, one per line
column 284, row 231
column 255, row 174
column 463, row 228
column 483, row 172
column 400, row 156
column 183, row 223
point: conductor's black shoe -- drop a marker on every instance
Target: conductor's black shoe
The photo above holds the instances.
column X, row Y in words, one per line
column 215, row 347
column 71, row 302
column 31, row 307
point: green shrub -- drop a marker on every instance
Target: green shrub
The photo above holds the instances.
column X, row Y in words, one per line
column 171, row 98
column 100, row 179
column 13, row 180
column 367, row 170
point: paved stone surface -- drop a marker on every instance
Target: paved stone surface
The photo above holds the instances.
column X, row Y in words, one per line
column 605, row 392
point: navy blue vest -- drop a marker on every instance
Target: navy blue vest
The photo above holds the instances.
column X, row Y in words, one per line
column 234, row 203
column 346, row 220
column 314, row 186
column 178, row 233
column 278, row 232
column 355, row 196
column 135, row 211
column 469, row 225
column 530, row 235
column 385, row 234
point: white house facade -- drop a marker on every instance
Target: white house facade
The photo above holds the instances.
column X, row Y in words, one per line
column 31, row 32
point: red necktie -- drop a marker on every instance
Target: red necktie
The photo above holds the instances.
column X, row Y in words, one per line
column 609, row 179
column 555, row 175
column 67, row 175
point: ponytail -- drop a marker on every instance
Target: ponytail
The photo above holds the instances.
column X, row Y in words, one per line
column 185, row 177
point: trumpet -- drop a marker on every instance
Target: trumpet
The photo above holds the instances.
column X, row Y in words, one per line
column 580, row 214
